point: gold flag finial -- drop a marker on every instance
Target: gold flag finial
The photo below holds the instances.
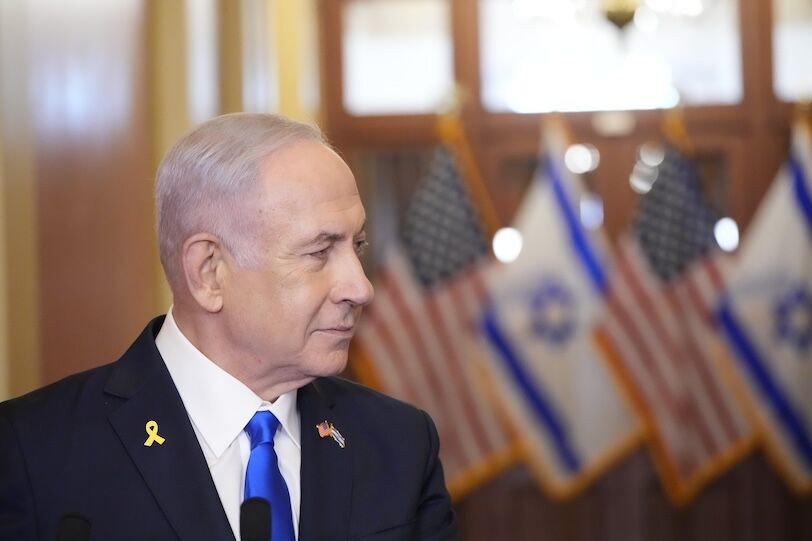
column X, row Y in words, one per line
column 555, row 125
column 676, row 132
column 454, row 102
column 803, row 114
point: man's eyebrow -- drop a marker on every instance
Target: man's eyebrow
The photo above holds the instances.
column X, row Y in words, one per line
column 330, row 237
column 325, row 236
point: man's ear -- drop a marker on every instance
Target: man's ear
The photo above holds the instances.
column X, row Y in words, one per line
column 203, row 269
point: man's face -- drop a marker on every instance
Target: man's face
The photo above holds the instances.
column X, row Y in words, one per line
column 296, row 311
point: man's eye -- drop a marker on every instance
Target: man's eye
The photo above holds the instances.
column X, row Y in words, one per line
column 361, row 246
column 321, row 254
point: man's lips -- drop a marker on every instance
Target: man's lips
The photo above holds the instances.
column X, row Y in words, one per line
column 340, row 330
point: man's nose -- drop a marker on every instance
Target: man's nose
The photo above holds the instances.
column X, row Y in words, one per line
column 355, row 287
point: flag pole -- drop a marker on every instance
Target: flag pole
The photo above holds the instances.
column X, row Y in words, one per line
column 556, row 125
column 676, row 132
column 451, row 132
column 803, row 115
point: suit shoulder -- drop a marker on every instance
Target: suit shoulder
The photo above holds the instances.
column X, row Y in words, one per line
column 366, row 398
column 64, row 395
column 55, row 398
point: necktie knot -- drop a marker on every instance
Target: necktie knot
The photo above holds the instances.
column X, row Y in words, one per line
column 261, row 428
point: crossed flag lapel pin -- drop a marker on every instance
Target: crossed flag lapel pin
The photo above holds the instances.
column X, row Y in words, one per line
column 326, row 429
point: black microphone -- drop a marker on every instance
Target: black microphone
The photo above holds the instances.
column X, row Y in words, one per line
column 255, row 519
column 73, row 527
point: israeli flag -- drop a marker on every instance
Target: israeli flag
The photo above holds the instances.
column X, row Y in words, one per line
column 768, row 315
column 549, row 376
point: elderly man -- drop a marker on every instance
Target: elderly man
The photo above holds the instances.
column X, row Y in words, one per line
column 232, row 394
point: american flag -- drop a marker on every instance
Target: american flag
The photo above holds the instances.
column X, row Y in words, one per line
column 419, row 333
column 665, row 341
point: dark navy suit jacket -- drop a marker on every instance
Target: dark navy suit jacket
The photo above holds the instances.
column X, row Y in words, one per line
column 77, row 446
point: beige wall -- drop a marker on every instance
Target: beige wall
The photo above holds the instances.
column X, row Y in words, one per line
column 169, row 92
column 93, row 206
column 4, row 353
column 293, row 26
column 76, row 208
column 19, row 276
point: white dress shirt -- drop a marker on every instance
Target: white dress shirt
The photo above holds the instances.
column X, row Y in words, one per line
column 219, row 407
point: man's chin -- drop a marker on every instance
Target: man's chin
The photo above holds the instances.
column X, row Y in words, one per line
column 330, row 363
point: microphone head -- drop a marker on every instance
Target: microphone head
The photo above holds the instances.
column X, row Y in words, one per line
column 255, row 519
column 73, row 527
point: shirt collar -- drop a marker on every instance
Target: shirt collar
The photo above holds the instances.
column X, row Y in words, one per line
column 218, row 404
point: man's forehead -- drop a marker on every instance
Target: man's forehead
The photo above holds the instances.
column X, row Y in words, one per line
column 306, row 174
column 301, row 155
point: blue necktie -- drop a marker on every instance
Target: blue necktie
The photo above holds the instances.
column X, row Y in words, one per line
column 263, row 478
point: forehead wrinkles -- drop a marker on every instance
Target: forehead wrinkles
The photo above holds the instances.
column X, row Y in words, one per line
column 344, row 216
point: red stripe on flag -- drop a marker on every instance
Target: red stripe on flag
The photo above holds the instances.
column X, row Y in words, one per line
column 715, row 274
column 393, row 288
column 673, row 355
column 466, row 296
column 455, row 365
column 395, row 355
column 699, row 359
column 479, row 285
column 662, row 392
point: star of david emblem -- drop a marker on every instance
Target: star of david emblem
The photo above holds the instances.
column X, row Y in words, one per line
column 552, row 311
column 793, row 318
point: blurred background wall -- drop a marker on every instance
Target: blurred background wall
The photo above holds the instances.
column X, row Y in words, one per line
column 93, row 92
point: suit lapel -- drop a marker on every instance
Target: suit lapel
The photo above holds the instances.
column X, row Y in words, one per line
column 326, row 468
column 175, row 471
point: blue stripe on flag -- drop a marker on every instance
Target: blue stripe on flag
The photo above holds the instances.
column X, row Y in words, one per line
column 766, row 384
column 801, row 189
column 577, row 236
column 543, row 409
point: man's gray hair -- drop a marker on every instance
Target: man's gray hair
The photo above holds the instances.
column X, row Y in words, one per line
column 208, row 176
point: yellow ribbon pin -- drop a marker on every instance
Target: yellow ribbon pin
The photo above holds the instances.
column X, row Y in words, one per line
column 152, row 432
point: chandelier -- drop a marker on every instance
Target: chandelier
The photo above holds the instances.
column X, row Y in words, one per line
column 618, row 12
